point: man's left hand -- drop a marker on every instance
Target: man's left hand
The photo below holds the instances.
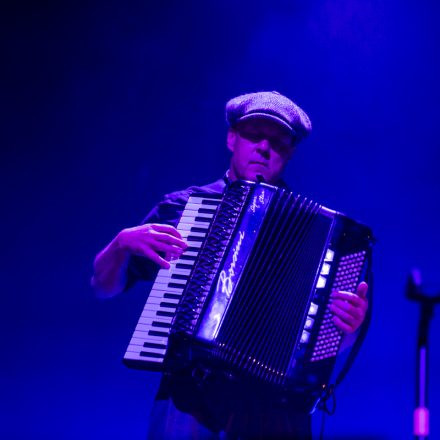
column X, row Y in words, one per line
column 349, row 308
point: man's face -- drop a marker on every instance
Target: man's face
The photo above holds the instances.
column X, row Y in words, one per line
column 259, row 146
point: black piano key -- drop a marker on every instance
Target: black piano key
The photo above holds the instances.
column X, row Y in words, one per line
column 187, row 257
column 195, row 238
column 152, row 345
column 184, row 266
column 160, row 324
column 204, row 195
column 203, row 219
column 168, row 304
column 190, row 249
column 196, row 229
column 210, row 202
column 175, row 285
column 151, row 355
column 162, row 313
column 157, row 333
column 205, row 211
column 178, row 276
column 172, row 296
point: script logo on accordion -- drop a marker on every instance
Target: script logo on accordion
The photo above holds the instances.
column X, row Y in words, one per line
column 255, row 205
column 226, row 279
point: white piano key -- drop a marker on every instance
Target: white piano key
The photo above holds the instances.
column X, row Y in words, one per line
column 164, row 272
column 191, row 206
column 134, row 349
column 156, row 307
column 157, row 294
column 181, row 271
column 196, row 244
column 184, row 225
column 167, row 275
column 187, row 262
column 164, row 287
column 142, row 335
column 185, row 234
column 137, row 357
column 195, row 207
column 210, row 207
column 205, row 214
column 166, row 280
column 190, row 217
column 157, row 300
column 143, row 320
column 138, row 349
column 152, row 339
column 199, row 200
column 153, row 314
column 189, row 254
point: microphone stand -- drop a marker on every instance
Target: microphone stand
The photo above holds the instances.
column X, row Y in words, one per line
column 427, row 303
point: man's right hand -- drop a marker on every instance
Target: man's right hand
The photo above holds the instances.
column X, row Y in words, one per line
column 159, row 243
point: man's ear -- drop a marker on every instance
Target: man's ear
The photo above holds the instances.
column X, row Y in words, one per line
column 290, row 153
column 230, row 139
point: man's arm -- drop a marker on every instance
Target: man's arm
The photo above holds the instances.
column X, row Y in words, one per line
column 156, row 242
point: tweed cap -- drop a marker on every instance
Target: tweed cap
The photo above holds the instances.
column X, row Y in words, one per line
column 271, row 105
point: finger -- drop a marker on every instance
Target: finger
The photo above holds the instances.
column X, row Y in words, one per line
column 342, row 325
column 343, row 315
column 166, row 248
column 362, row 289
column 353, row 309
column 170, row 256
column 167, row 229
column 350, row 297
column 156, row 258
column 169, row 239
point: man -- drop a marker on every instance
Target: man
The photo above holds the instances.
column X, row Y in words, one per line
column 264, row 129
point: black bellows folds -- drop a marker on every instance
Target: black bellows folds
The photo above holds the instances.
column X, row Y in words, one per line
column 265, row 317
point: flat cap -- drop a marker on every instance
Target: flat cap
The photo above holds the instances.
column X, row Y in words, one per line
column 271, row 105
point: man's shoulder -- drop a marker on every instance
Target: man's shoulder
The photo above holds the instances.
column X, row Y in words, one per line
column 182, row 196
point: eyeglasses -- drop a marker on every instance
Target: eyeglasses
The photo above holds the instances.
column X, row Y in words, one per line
column 278, row 143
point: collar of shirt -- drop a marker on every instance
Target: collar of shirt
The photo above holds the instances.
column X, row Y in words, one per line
column 279, row 184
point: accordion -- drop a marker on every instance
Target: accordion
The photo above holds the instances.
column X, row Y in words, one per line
column 250, row 294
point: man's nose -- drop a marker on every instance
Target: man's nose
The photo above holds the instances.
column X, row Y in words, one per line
column 263, row 147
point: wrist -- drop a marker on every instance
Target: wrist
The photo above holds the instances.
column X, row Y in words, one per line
column 120, row 244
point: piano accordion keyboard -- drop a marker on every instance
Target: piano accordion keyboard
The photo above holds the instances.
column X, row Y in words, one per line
column 149, row 342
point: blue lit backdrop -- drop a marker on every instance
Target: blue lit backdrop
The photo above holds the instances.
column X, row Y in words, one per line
column 107, row 106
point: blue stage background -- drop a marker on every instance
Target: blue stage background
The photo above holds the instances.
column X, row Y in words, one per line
column 106, row 106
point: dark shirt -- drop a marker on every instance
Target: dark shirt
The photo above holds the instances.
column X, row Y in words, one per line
column 216, row 402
